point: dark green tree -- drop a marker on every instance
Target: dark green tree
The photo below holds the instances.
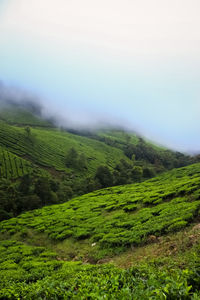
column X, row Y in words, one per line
column 82, row 162
column 104, row 176
column 137, row 173
column 71, row 159
column 28, row 131
column 43, row 190
column 25, row 184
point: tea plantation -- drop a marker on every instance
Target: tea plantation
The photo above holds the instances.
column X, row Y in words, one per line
column 119, row 216
column 104, row 224
column 40, row 147
column 136, row 241
column 28, row 272
column 13, row 166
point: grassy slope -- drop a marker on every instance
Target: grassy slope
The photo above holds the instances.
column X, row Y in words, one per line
column 13, row 166
column 119, row 217
column 114, row 218
column 48, row 147
column 121, row 222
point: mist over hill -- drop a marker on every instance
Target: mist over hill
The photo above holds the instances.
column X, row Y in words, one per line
column 11, row 97
column 92, row 194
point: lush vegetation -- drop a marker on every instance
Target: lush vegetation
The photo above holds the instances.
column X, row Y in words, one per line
column 30, row 192
column 67, row 164
column 119, row 217
column 13, row 166
column 29, row 272
column 75, row 250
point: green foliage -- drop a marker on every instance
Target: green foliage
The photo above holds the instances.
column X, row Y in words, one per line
column 118, row 217
column 137, row 173
column 36, row 273
column 44, row 165
column 75, row 161
column 12, row 166
column 29, row 193
column 52, row 145
column 36, row 148
column 28, row 131
column 104, row 176
column 72, row 158
column 43, row 189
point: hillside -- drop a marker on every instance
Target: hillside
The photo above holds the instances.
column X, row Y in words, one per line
column 40, row 156
column 161, row 213
column 48, row 146
column 119, row 217
column 110, row 243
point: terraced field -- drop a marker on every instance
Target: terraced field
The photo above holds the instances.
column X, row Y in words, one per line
column 48, row 147
column 13, row 166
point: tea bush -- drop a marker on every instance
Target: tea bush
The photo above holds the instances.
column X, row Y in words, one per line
column 120, row 216
column 28, row 272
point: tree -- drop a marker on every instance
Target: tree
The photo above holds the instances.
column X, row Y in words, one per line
column 82, row 162
column 104, row 176
column 148, row 172
column 71, row 159
column 122, row 172
column 137, row 173
column 54, row 185
column 133, row 158
column 25, row 184
column 129, row 150
column 28, row 131
column 65, row 193
column 29, row 135
column 43, row 190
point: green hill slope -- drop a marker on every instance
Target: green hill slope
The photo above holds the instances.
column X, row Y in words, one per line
column 34, row 273
column 37, row 260
column 119, row 217
column 78, row 162
column 13, row 166
column 48, row 147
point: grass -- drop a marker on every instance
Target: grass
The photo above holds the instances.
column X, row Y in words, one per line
column 173, row 246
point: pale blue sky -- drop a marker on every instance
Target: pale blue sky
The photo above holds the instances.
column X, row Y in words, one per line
column 134, row 62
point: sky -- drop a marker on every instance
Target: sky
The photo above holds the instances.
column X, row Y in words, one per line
column 131, row 62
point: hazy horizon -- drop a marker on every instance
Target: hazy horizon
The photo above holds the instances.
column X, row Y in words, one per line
column 132, row 63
